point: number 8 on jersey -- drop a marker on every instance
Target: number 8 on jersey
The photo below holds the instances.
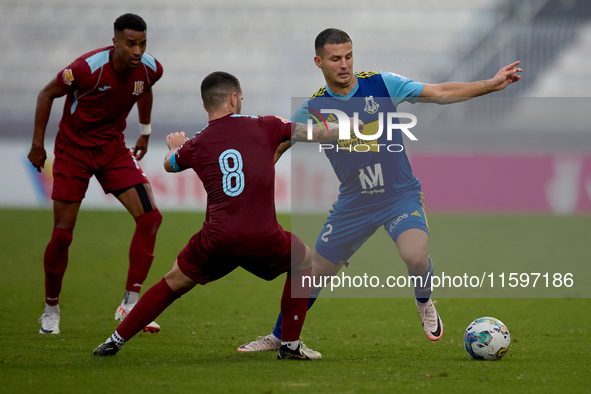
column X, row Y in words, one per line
column 232, row 173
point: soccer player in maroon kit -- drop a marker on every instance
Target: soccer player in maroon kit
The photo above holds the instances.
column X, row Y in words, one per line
column 101, row 87
column 234, row 157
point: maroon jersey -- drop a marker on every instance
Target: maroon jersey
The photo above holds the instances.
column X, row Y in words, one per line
column 233, row 156
column 100, row 98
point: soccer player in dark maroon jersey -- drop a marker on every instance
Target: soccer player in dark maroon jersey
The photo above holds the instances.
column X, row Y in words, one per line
column 234, row 157
column 101, row 88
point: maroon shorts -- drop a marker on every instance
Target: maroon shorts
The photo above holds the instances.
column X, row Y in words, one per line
column 205, row 266
column 113, row 165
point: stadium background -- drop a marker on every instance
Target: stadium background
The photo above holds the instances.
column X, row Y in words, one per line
column 269, row 47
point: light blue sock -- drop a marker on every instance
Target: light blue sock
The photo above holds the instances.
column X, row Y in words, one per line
column 423, row 293
column 313, row 296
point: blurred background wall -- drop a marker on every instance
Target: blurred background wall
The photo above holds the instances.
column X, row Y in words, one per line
column 268, row 45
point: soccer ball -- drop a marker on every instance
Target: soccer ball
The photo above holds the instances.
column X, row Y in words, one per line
column 487, row 338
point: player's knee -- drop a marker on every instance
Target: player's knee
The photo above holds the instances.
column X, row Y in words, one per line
column 322, row 267
column 417, row 262
column 157, row 218
column 305, row 264
column 149, row 222
column 61, row 238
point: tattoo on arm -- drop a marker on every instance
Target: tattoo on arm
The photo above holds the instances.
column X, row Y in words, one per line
column 320, row 134
column 300, row 132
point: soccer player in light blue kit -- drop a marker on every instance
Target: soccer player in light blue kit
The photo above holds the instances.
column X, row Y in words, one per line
column 378, row 187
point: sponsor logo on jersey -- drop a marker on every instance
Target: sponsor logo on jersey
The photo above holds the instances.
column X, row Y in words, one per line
column 103, row 88
column 373, row 178
column 368, row 129
column 416, row 213
column 138, row 88
column 371, row 107
column 366, row 140
column 68, row 76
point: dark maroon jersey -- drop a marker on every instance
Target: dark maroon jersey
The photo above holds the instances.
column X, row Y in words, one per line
column 233, row 156
column 100, row 98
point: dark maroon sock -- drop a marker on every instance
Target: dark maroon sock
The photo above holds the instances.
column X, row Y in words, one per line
column 55, row 262
column 294, row 305
column 141, row 251
column 150, row 306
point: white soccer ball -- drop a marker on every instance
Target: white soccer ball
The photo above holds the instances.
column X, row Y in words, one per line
column 487, row 338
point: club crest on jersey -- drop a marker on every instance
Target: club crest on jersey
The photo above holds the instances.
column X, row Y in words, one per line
column 68, row 76
column 138, row 88
column 371, row 107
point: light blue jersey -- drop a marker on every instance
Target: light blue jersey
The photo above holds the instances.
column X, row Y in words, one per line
column 383, row 171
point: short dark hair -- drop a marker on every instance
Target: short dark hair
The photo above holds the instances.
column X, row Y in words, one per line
column 216, row 87
column 330, row 36
column 129, row 21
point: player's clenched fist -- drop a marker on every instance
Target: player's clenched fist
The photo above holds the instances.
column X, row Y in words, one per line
column 175, row 140
column 37, row 157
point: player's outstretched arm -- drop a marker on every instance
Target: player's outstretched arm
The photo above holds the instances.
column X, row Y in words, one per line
column 453, row 92
column 37, row 154
column 144, row 109
column 174, row 141
column 328, row 133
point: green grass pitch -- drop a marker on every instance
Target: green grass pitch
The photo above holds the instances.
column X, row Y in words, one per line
column 368, row 345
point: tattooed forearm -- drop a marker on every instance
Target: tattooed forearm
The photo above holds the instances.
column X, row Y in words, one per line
column 319, row 133
column 300, row 132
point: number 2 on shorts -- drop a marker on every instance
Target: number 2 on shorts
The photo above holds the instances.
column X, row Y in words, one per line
column 324, row 236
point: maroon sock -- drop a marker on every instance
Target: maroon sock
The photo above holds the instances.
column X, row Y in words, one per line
column 148, row 308
column 293, row 308
column 141, row 251
column 55, row 262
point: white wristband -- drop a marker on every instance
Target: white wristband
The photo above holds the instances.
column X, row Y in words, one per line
column 145, row 129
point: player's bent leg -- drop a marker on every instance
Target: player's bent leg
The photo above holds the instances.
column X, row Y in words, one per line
column 141, row 250
column 272, row 342
column 303, row 265
column 139, row 201
column 55, row 262
column 321, row 267
column 152, row 304
column 413, row 248
column 294, row 305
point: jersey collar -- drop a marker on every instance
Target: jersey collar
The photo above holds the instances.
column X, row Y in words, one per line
column 348, row 95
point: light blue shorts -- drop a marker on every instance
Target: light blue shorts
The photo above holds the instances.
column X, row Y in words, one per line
column 346, row 230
